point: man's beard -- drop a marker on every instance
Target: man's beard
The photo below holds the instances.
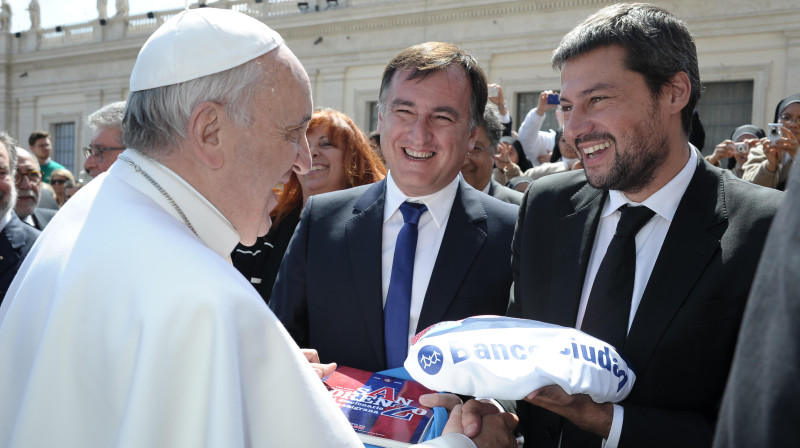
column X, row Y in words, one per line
column 638, row 155
column 7, row 201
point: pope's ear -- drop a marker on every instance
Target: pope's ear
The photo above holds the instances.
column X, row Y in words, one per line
column 204, row 130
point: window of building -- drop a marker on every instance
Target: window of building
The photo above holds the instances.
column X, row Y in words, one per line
column 723, row 107
column 64, row 144
column 372, row 113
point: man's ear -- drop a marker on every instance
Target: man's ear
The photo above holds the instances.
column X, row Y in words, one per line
column 204, row 128
column 473, row 138
column 679, row 90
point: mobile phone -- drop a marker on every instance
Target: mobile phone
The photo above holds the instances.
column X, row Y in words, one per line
column 774, row 133
column 741, row 147
column 493, row 91
column 553, row 99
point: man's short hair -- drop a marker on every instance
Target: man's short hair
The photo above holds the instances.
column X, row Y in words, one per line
column 657, row 44
column 108, row 117
column 36, row 135
column 494, row 128
column 424, row 59
column 155, row 118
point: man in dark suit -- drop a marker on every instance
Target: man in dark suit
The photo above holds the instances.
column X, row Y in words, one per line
column 337, row 273
column 629, row 84
column 760, row 406
column 28, row 179
column 16, row 238
column 479, row 163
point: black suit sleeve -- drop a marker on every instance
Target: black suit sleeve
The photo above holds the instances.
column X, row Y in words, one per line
column 288, row 300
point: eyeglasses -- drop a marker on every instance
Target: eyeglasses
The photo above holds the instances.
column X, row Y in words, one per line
column 97, row 151
column 786, row 118
column 33, row 176
column 477, row 152
column 57, row 181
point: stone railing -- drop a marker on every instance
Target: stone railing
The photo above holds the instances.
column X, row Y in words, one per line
column 115, row 28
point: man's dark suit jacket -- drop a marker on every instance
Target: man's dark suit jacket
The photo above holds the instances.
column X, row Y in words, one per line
column 760, row 408
column 16, row 240
column 505, row 194
column 328, row 292
column 682, row 338
column 42, row 217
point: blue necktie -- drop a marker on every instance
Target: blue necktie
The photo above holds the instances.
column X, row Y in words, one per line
column 398, row 299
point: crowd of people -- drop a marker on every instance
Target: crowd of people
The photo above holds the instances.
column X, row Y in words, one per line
column 236, row 244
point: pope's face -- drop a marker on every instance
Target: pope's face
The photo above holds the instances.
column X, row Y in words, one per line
column 271, row 145
column 424, row 129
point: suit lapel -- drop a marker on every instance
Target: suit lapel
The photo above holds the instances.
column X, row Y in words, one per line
column 690, row 244
column 568, row 276
column 463, row 239
column 364, row 233
column 11, row 239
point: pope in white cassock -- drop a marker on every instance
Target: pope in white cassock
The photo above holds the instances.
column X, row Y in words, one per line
column 127, row 326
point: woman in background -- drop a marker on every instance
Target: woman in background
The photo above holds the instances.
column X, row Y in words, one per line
column 341, row 157
column 58, row 180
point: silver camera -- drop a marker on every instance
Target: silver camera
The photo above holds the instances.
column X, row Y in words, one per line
column 741, row 147
column 774, row 132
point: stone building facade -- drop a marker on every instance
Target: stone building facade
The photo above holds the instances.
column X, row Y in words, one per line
column 52, row 79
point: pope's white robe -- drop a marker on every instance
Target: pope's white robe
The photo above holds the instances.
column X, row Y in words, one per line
column 124, row 329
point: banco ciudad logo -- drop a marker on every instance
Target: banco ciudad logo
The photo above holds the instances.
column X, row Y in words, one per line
column 430, row 359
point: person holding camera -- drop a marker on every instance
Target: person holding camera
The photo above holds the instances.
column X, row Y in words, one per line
column 538, row 144
column 737, row 148
column 769, row 163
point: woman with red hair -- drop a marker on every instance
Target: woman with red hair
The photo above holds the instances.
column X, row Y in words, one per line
column 341, row 157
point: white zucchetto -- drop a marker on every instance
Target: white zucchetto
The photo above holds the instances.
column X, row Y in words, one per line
column 200, row 42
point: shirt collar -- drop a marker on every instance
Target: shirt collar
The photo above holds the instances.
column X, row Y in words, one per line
column 214, row 230
column 439, row 203
column 664, row 201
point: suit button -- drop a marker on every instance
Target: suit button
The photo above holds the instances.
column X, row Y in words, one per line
column 551, row 431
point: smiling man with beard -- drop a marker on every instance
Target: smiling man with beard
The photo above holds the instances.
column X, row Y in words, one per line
column 16, row 238
column 669, row 297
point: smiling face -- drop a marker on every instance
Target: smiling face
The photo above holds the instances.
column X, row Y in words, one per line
column 327, row 165
column 619, row 130
column 478, row 164
column 424, row 129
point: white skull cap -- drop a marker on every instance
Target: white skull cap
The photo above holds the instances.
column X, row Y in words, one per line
column 200, row 42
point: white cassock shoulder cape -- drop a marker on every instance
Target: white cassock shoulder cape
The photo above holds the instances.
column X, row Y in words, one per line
column 124, row 329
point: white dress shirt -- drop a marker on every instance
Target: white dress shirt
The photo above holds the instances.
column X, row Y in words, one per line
column 431, row 229
column 649, row 240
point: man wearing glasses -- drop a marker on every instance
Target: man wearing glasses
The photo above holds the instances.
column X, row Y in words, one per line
column 16, row 238
column 28, row 179
column 106, row 144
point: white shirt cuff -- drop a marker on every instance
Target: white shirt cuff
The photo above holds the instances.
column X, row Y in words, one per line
column 449, row 440
column 616, row 428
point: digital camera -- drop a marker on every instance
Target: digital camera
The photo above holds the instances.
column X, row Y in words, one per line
column 741, row 147
column 774, row 132
column 553, row 99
